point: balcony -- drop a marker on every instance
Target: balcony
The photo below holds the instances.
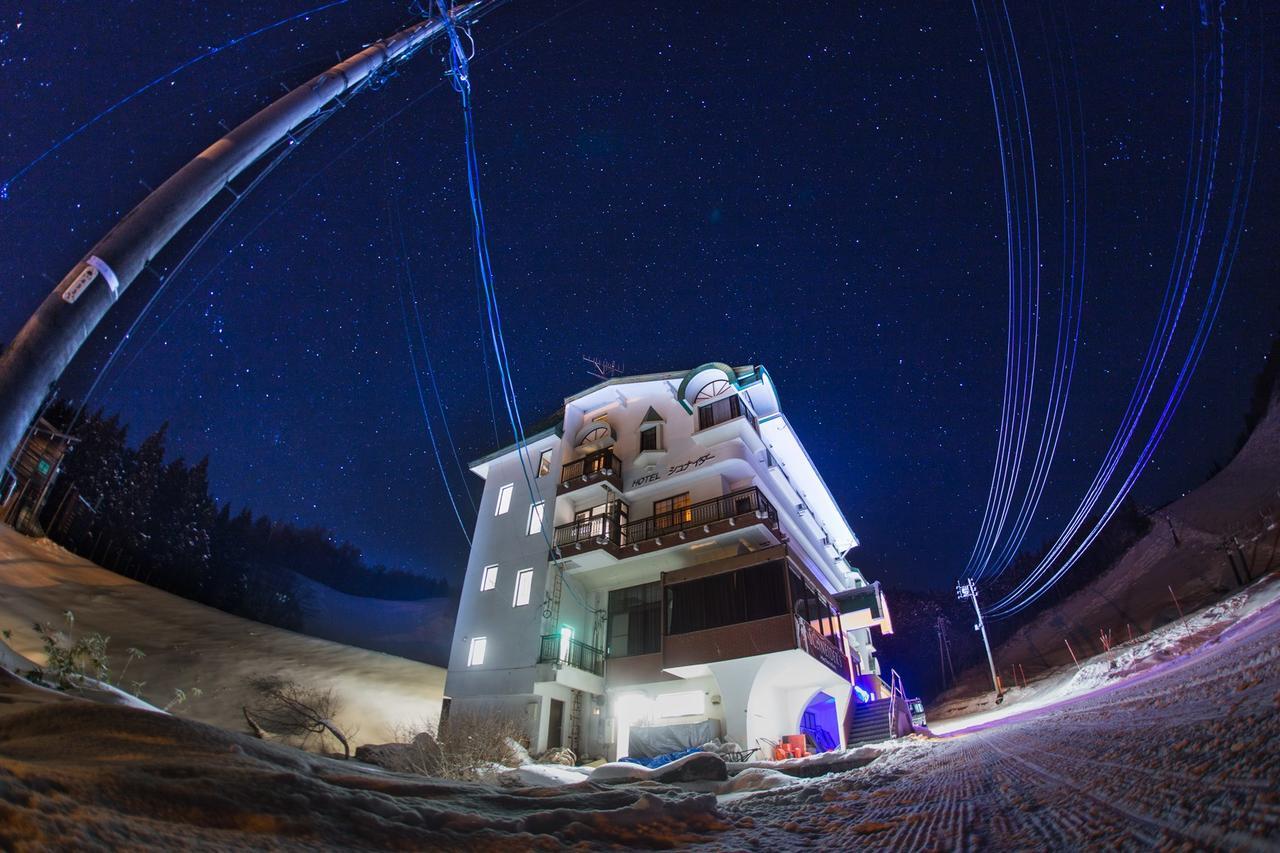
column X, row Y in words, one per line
column 727, row 419
column 599, row 467
column 821, row 648
column 574, row 653
column 622, row 539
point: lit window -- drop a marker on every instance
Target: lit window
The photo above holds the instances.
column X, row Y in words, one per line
column 489, row 579
column 476, row 656
column 692, row 703
column 566, row 642
column 535, row 517
column 504, row 499
column 544, row 463
column 524, row 586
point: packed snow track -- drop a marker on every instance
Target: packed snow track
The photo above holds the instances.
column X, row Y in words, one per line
column 1182, row 754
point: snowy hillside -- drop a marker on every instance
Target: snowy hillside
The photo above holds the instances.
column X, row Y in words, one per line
column 418, row 630
column 1183, row 555
column 189, row 645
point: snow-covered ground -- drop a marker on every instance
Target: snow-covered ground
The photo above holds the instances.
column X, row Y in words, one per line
column 1180, row 754
column 1161, row 649
column 189, row 645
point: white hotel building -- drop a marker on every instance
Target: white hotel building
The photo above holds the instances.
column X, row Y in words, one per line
column 680, row 560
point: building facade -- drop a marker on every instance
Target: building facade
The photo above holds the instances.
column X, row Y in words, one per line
column 665, row 553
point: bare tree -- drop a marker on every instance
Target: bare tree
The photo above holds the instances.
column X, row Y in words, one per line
column 292, row 710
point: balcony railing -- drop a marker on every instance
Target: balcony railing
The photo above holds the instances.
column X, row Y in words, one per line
column 820, row 647
column 574, row 653
column 695, row 515
column 604, row 530
column 601, row 465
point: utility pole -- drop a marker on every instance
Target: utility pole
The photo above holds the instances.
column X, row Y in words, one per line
column 66, row 318
column 969, row 589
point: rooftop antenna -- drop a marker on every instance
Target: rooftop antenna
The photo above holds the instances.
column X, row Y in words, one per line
column 603, row 369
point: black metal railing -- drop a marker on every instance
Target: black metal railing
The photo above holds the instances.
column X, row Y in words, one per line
column 592, row 463
column 818, row 646
column 603, row 530
column 574, row 653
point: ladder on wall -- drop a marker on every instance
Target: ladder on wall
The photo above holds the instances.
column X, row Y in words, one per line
column 575, row 723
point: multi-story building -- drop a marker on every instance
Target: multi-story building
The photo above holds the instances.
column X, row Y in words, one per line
column 665, row 553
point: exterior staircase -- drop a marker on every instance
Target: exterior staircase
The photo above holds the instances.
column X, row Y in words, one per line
column 868, row 722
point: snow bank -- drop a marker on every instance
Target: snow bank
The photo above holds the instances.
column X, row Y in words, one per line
column 1159, row 649
column 190, row 645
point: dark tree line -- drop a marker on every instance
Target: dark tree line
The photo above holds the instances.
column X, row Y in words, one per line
column 130, row 510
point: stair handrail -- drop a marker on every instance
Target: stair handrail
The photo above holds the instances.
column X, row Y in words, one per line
column 896, row 690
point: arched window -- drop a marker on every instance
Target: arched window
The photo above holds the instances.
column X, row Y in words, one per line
column 711, row 390
column 598, row 433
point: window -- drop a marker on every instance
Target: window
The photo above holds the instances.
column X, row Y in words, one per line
column 711, row 390
column 489, row 578
column 544, row 463
column 566, row 642
column 535, row 518
column 650, row 438
column 635, row 620
column 672, row 512
column 685, row 704
column 475, row 656
column 524, row 586
column 722, row 410
column 504, row 499
column 756, row 592
column 597, row 433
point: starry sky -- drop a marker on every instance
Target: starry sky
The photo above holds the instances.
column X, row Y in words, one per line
column 815, row 187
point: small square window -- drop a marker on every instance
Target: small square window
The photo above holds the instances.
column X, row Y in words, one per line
column 489, row 579
column 475, row 657
column 504, row 499
column 535, row 517
column 524, row 587
column 544, row 463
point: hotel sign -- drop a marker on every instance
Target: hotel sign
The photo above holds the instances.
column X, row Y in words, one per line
column 673, row 470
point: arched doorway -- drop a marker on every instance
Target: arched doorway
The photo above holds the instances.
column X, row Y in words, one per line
column 820, row 721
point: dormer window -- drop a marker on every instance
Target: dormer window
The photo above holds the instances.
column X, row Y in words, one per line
column 651, row 432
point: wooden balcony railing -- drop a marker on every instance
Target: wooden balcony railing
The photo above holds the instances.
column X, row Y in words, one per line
column 604, row 530
column 601, row 465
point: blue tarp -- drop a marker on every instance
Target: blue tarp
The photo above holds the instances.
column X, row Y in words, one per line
column 660, row 760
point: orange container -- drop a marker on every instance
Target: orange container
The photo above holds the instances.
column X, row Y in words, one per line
column 796, row 742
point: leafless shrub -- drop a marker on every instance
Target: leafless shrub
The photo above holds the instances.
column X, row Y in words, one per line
column 294, row 711
column 462, row 747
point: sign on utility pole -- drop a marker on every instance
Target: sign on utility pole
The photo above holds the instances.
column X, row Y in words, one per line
column 969, row 589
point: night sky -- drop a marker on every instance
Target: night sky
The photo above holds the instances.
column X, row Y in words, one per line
column 814, row 187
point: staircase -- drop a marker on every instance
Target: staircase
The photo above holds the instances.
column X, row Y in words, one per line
column 868, row 722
